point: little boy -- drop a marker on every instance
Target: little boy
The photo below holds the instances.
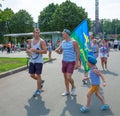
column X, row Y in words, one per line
column 95, row 75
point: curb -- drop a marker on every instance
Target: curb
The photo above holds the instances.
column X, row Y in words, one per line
column 10, row 72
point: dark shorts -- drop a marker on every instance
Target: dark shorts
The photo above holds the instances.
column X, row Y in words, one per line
column 68, row 67
column 35, row 68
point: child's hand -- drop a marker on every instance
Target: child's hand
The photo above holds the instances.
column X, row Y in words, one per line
column 104, row 84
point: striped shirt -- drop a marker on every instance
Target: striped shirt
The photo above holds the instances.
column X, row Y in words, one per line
column 69, row 53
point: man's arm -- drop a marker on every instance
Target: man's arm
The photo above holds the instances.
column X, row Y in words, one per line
column 28, row 51
column 76, row 46
column 59, row 49
column 43, row 47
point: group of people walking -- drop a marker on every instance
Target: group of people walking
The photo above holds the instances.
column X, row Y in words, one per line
column 102, row 49
column 70, row 61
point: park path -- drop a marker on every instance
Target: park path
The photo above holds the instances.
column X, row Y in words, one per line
column 16, row 92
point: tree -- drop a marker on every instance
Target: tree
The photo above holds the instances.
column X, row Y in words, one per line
column 21, row 22
column 5, row 17
column 45, row 17
column 66, row 15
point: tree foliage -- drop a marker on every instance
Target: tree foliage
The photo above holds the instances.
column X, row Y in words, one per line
column 66, row 15
column 21, row 22
column 5, row 17
column 45, row 17
column 110, row 26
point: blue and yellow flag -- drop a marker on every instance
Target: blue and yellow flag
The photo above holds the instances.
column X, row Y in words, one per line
column 81, row 35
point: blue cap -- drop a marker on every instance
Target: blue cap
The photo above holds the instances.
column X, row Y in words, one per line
column 92, row 59
column 67, row 31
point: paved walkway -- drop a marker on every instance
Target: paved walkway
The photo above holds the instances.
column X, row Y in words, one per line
column 16, row 54
column 16, row 92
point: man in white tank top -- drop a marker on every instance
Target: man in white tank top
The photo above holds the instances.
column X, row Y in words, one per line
column 36, row 47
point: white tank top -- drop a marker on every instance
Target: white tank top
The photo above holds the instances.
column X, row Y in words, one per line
column 36, row 58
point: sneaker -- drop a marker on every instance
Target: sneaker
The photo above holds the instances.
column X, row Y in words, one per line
column 37, row 92
column 65, row 94
column 73, row 91
column 84, row 82
column 105, row 107
column 84, row 109
column 42, row 83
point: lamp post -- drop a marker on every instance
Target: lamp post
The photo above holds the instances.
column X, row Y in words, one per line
column 115, row 30
column 0, row 5
column 96, row 17
column 103, row 27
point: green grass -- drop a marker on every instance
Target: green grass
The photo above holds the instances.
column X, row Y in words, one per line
column 7, row 64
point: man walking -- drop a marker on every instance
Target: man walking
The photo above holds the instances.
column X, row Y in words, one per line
column 36, row 47
column 70, row 61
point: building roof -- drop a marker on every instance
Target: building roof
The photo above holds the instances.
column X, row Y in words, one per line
column 31, row 33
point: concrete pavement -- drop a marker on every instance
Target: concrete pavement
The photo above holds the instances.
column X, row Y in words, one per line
column 16, row 92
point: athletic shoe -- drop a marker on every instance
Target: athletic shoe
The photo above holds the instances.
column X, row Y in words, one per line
column 65, row 94
column 37, row 92
column 84, row 109
column 84, row 82
column 105, row 107
column 73, row 91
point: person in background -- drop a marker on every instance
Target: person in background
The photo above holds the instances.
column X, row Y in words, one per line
column 70, row 61
column 36, row 47
column 115, row 44
column 19, row 47
column 95, row 48
column 104, row 54
column 95, row 76
column 49, row 47
column 8, row 46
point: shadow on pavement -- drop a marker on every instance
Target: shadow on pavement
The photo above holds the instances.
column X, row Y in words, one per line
column 36, row 107
column 109, row 72
column 71, row 106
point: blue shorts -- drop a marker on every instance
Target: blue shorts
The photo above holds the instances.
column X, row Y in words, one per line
column 35, row 68
column 49, row 49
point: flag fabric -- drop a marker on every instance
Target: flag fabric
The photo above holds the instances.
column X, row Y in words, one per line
column 81, row 35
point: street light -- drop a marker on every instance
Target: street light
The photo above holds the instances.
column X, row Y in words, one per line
column 115, row 30
column 0, row 5
column 103, row 27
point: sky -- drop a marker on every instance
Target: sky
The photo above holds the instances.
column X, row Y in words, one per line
column 108, row 9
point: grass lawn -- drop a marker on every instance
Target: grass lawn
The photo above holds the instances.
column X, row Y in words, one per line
column 7, row 64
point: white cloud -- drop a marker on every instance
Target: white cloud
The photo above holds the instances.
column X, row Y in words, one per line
column 110, row 11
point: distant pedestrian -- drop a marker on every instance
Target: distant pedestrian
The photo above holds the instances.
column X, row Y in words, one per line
column 2, row 48
column 95, row 76
column 49, row 48
column 36, row 47
column 115, row 44
column 8, row 46
column 19, row 47
column 104, row 54
column 95, row 48
column 70, row 61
